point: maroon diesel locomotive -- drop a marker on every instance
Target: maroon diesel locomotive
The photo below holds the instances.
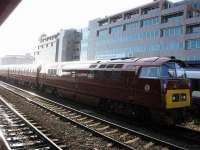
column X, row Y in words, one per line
column 154, row 87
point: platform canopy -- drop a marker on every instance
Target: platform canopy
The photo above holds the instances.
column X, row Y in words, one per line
column 6, row 7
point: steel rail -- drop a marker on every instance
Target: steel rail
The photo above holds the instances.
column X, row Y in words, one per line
column 121, row 128
column 48, row 141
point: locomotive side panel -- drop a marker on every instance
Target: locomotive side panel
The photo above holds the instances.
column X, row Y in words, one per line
column 148, row 93
column 105, row 84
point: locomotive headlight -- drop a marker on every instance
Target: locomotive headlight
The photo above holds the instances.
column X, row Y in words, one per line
column 174, row 98
column 178, row 97
column 184, row 97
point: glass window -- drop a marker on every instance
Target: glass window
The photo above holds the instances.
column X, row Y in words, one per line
column 150, row 72
column 180, row 72
column 116, row 29
column 91, row 75
column 66, row 72
column 175, row 31
column 193, row 44
column 151, row 21
column 196, row 5
column 133, row 25
column 150, row 10
column 174, row 18
column 172, row 70
column 172, row 46
column 103, row 32
column 196, row 29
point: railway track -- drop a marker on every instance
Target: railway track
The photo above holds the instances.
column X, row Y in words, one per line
column 187, row 133
column 121, row 136
column 18, row 133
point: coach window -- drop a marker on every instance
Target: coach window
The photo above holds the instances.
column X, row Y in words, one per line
column 82, row 74
column 73, row 73
column 66, row 73
column 91, row 74
column 150, row 72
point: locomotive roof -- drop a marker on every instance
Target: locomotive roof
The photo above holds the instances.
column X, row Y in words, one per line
column 151, row 61
column 124, row 62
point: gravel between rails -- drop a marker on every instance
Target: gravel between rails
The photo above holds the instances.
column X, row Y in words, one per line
column 193, row 124
column 195, row 120
column 75, row 138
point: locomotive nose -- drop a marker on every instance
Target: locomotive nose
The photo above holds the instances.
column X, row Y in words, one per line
column 177, row 98
column 177, row 94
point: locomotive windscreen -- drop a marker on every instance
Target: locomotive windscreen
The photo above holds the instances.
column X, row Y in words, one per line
column 172, row 70
column 167, row 70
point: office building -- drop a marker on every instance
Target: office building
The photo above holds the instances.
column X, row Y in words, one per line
column 160, row 28
column 62, row 46
column 17, row 59
column 84, row 44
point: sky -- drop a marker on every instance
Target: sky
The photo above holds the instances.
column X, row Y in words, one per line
column 20, row 32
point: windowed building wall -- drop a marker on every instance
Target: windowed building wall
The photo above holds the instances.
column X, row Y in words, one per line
column 84, row 44
column 62, row 46
column 161, row 28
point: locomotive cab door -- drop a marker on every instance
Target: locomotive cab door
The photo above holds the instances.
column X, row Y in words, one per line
column 148, row 89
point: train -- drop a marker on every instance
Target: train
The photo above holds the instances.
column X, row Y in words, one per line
column 194, row 75
column 154, row 88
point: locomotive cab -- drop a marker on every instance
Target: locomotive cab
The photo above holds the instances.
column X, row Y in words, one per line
column 164, row 87
column 167, row 82
column 175, row 86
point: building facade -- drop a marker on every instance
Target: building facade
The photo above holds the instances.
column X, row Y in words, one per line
column 160, row 28
column 62, row 46
column 84, row 44
column 17, row 59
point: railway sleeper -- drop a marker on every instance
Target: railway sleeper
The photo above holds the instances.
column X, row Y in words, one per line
column 102, row 128
column 94, row 124
column 132, row 140
column 148, row 145
column 111, row 132
column 123, row 135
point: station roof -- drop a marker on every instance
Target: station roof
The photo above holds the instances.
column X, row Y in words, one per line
column 6, row 7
